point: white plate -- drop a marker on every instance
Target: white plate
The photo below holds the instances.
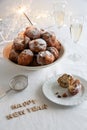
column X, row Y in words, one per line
column 51, row 86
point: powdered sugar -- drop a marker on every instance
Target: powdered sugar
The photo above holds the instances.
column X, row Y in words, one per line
column 44, row 53
column 27, row 52
column 39, row 44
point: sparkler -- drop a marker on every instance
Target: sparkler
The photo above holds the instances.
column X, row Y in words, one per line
column 21, row 10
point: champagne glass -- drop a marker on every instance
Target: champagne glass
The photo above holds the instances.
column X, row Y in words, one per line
column 1, row 31
column 76, row 27
column 59, row 12
column 2, row 39
column 59, row 15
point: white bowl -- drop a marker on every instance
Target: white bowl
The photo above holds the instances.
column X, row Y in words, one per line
column 7, row 49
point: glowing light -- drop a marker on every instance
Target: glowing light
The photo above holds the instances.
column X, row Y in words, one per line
column 21, row 9
column 0, row 19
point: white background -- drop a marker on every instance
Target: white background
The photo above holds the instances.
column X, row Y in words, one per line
column 56, row 117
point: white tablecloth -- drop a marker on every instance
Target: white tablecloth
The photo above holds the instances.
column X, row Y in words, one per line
column 55, row 117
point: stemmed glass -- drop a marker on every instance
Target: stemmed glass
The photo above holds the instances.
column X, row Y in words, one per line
column 59, row 12
column 1, row 36
column 59, row 15
column 2, row 39
column 76, row 27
